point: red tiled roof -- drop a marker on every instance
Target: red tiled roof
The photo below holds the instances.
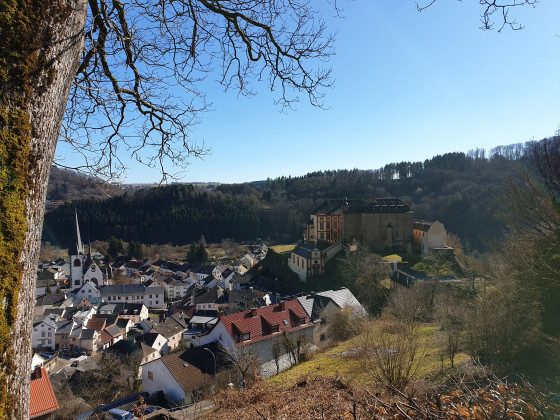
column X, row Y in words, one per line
column 97, row 324
column 258, row 322
column 42, row 399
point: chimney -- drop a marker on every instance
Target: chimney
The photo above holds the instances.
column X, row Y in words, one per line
column 253, row 312
column 282, row 306
column 38, row 372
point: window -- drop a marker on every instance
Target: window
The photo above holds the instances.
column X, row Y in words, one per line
column 323, row 337
column 150, row 296
column 321, row 226
column 150, row 376
column 126, row 298
column 246, row 336
column 397, row 233
column 157, row 302
column 301, row 321
column 42, row 333
column 77, row 262
column 276, row 328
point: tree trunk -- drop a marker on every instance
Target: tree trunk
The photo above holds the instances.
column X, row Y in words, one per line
column 40, row 47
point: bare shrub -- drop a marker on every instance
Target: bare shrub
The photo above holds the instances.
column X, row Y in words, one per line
column 390, row 352
column 344, row 324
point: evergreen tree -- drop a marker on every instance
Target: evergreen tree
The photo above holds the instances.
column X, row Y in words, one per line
column 192, row 254
column 201, row 253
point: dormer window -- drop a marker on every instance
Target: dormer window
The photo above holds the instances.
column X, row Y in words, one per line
column 301, row 321
column 276, row 328
column 246, row 336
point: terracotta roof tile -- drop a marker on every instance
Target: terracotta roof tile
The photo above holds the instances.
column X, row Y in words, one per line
column 42, row 399
column 258, row 322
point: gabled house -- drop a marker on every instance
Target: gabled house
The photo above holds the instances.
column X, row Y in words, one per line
column 258, row 329
column 203, row 271
column 429, row 236
column 125, row 325
column 322, row 306
column 51, row 301
column 83, row 315
column 204, row 329
column 110, row 335
column 182, row 377
column 43, row 334
column 171, row 328
column 156, row 341
column 307, row 261
column 135, row 312
column 73, row 337
column 42, row 285
column 89, row 291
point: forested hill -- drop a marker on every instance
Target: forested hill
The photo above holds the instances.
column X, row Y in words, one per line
column 461, row 190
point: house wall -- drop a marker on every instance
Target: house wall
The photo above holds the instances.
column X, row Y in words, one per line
column 89, row 346
column 263, row 350
column 43, row 336
column 94, row 275
column 321, row 328
column 218, row 333
column 435, row 237
column 298, row 265
column 151, row 301
column 161, row 380
column 328, row 228
column 374, row 229
column 331, row 251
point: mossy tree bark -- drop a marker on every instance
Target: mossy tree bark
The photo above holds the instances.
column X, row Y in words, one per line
column 40, row 48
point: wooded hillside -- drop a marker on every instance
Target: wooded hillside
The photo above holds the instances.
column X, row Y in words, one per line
column 461, row 190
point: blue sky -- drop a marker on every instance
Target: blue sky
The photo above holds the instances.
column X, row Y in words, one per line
column 408, row 86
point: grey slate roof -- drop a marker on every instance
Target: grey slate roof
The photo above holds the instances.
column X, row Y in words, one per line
column 47, row 320
column 53, row 299
column 88, row 334
column 304, row 250
column 343, row 298
column 113, row 330
column 64, row 327
column 132, row 309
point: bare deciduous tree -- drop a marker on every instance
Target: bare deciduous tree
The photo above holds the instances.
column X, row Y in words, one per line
column 493, row 11
column 112, row 70
column 391, row 353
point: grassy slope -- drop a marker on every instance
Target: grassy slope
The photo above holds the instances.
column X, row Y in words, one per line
column 341, row 361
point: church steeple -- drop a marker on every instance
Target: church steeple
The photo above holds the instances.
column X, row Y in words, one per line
column 79, row 245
